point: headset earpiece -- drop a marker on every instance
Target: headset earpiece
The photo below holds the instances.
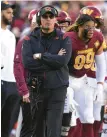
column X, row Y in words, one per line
column 38, row 18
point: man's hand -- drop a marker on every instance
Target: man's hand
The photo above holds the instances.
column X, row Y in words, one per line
column 62, row 52
column 26, row 98
column 98, row 94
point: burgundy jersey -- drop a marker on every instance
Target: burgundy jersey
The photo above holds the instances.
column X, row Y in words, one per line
column 82, row 60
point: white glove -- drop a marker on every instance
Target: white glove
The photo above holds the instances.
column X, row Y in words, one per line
column 98, row 94
column 72, row 102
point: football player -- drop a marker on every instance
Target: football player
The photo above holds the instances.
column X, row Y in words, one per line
column 97, row 15
column 20, row 76
column 87, row 46
column 63, row 20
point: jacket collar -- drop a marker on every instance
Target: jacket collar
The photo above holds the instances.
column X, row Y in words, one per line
column 37, row 32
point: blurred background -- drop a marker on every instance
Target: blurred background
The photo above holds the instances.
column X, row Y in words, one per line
column 22, row 9
column 72, row 7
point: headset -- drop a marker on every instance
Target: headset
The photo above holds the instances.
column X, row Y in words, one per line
column 38, row 15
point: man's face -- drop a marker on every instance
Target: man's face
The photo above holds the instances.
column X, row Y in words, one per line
column 87, row 29
column 48, row 21
column 7, row 16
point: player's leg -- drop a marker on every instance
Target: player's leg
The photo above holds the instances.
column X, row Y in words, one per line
column 84, row 97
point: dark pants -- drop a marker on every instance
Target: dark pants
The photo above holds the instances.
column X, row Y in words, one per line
column 15, row 115
column 26, row 129
column 47, row 111
column 9, row 99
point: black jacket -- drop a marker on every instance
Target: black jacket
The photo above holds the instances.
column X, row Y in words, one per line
column 52, row 66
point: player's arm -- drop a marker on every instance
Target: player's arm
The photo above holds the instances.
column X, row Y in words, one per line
column 100, row 75
column 100, row 64
column 105, row 52
column 19, row 70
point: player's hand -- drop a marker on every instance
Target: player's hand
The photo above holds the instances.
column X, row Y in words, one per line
column 98, row 94
column 26, row 98
column 72, row 102
column 62, row 52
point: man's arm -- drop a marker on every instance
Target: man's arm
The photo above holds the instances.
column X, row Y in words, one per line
column 29, row 62
column 58, row 61
column 19, row 71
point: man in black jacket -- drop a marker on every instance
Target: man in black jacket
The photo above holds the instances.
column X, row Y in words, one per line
column 46, row 54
